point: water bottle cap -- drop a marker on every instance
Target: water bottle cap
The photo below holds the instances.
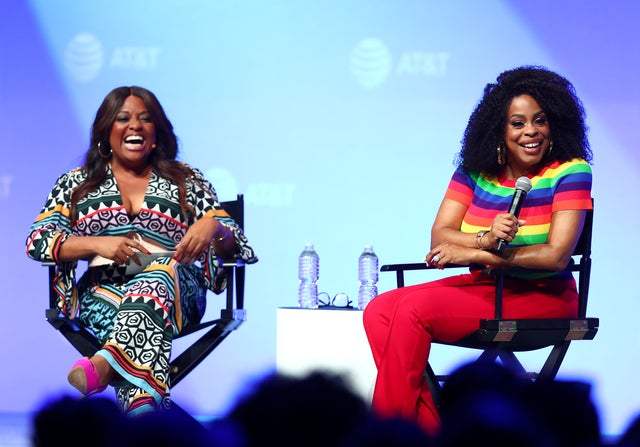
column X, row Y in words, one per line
column 370, row 246
column 309, row 244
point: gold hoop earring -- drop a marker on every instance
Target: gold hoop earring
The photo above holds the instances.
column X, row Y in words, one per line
column 501, row 155
column 101, row 152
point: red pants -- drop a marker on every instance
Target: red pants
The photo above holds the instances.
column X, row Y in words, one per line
column 401, row 324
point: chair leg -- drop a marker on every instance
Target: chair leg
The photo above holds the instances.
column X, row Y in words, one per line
column 548, row 371
column 79, row 337
column 199, row 350
column 435, row 387
column 507, row 358
column 552, row 364
column 179, row 410
column 488, row 355
column 86, row 345
column 510, row 360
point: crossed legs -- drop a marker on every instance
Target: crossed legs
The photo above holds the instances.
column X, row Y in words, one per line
column 154, row 307
column 402, row 323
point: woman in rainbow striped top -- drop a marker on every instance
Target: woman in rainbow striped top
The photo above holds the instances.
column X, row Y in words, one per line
column 529, row 123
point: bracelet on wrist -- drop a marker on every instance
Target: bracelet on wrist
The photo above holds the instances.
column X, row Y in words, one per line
column 479, row 237
column 224, row 234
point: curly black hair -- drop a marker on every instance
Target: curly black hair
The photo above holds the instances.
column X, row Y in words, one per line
column 557, row 97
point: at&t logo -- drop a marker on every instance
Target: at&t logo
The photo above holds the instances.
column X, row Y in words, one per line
column 85, row 57
column 371, row 63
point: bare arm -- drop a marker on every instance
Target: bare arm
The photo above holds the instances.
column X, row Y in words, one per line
column 446, row 227
column 564, row 233
column 453, row 246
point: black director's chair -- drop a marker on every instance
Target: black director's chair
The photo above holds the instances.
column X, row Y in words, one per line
column 500, row 339
column 232, row 315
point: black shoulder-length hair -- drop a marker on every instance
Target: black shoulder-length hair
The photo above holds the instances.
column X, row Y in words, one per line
column 162, row 157
column 557, row 97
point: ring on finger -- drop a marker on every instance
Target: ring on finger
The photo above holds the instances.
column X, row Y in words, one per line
column 436, row 258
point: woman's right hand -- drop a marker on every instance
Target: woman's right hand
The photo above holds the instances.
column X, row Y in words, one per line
column 505, row 226
column 119, row 249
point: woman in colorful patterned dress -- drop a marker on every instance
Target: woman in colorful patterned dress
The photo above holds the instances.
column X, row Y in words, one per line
column 529, row 123
column 131, row 197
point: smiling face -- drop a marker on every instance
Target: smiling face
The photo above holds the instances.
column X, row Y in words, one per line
column 527, row 136
column 133, row 135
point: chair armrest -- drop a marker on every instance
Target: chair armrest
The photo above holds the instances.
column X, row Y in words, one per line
column 401, row 268
column 50, row 265
column 233, row 263
column 497, row 272
column 235, row 271
column 415, row 266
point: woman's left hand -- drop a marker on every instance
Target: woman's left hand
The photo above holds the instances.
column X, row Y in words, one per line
column 447, row 253
column 196, row 240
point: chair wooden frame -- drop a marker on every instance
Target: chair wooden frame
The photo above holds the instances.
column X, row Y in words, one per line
column 499, row 339
column 232, row 315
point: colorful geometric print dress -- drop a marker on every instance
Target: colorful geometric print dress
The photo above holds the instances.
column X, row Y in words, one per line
column 135, row 316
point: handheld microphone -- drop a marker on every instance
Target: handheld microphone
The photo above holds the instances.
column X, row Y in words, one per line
column 523, row 186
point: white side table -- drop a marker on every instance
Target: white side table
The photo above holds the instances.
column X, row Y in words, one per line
column 325, row 339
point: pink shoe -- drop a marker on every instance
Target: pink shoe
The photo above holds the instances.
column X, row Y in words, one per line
column 85, row 378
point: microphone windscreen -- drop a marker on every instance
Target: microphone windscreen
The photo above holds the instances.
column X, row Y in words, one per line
column 523, row 184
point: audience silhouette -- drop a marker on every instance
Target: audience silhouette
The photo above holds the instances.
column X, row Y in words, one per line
column 168, row 428
column 566, row 409
column 71, row 422
column 483, row 403
column 631, row 436
column 386, row 433
column 487, row 401
column 315, row 410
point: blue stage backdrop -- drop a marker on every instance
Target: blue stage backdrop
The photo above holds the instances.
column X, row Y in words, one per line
column 338, row 120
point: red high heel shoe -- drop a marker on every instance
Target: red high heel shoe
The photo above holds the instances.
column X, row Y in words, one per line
column 85, row 378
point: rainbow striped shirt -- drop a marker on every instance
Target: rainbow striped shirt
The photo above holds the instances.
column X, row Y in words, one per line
column 557, row 186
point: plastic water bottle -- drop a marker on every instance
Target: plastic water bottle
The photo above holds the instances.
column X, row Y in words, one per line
column 368, row 276
column 308, row 267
